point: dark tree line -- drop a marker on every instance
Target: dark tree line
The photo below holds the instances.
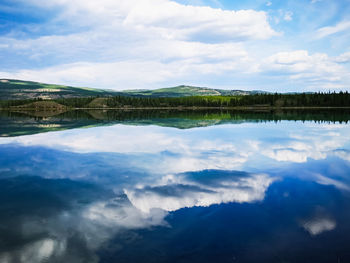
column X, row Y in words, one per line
column 13, row 103
column 341, row 99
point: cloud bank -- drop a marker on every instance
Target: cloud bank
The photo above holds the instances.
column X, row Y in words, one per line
column 148, row 44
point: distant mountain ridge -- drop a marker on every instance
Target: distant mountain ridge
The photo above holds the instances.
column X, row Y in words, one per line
column 18, row 89
column 11, row 89
column 185, row 90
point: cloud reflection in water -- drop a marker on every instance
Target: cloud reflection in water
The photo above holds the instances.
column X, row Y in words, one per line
column 203, row 188
column 138, row 181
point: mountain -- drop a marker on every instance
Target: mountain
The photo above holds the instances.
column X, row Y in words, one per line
column 18, row 89
column 184, row 90
column 178, row 91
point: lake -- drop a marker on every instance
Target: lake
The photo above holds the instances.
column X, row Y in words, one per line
column 175, row 186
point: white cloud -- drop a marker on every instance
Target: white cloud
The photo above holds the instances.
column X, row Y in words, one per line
column 317, row 226
column 156, row 61
column 330, row 30
column 118, row 75
column 321, row 179
column 116, row 213
column 235, row 187
column 305, row 145
column 132, row 74
column 343, row 58
column 288, row 155
column 300, row 65
column 37, row 251
column 203, row 23
column 168, row 19
column 289, row 58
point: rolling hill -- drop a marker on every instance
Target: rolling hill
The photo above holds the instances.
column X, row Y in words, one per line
column 18, row 89
column 184, row 90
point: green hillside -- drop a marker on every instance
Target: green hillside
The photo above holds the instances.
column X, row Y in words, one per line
column 181, row 91
column 175, row 92
column 19, row 90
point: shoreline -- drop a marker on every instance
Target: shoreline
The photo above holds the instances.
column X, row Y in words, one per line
column 16, row 108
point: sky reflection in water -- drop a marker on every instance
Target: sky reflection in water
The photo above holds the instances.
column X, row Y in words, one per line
column 252, row 192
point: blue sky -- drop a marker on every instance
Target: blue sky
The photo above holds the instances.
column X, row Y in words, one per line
column 127, row 44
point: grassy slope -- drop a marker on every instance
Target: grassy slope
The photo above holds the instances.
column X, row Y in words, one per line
column 18, row 89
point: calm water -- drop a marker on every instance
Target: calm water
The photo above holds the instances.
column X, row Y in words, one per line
column 167, row 187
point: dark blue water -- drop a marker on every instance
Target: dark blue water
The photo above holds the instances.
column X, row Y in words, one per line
column 249, row 192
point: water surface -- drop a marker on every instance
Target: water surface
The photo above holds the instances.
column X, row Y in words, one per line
column 175, row 187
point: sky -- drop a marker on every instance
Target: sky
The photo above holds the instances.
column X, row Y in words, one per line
column 280, row 46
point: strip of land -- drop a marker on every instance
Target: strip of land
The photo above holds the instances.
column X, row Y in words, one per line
column 250, row 102
column 22, row 95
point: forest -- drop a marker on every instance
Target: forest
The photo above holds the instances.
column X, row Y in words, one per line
column 341, row 99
